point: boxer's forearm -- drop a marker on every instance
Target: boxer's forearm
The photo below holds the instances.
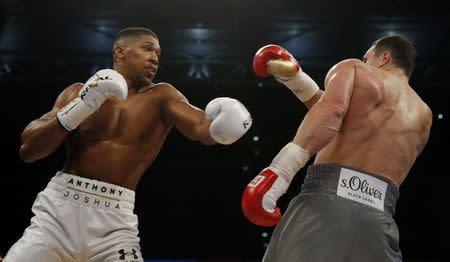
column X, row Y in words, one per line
column 313, row 100
column 201, row 133
column 324, row 119
column 41, row 138
column 319, row 127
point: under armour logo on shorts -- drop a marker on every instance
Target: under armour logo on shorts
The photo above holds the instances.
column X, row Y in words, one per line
column 124, row 254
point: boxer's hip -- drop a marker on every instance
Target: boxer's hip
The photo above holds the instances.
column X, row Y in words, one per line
column 74, row 214
column 341, row 214
column 352, row 184
column 91, row 193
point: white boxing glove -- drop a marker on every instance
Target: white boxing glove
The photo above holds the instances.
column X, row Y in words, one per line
column 231, row 120
column 104, row 83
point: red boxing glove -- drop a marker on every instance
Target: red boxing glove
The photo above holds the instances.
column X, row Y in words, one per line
column 259, row 198
column 272, row 52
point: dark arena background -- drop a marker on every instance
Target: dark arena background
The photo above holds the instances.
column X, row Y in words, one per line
column 188, row 201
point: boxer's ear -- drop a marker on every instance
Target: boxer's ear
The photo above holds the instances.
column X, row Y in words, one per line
column 386, row 58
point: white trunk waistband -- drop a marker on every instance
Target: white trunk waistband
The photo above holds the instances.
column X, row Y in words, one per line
column 92, row 193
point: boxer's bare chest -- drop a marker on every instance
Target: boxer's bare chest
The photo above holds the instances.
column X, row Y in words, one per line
column 135, row 120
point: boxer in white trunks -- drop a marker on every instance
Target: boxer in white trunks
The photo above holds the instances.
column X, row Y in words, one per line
column 113, row 127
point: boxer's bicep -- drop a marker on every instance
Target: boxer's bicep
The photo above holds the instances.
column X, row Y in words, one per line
column 63, row 98
column 42, row 136
column 190, row 120
column 324, row 120
column 339, row 84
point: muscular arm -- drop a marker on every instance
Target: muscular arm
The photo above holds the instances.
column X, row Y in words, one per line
column 324, row 120
column 42, row 136
column 313, row 99
column 188, row 119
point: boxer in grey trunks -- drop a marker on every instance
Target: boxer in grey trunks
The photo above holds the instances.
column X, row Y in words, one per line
column 351, row 227
column 366, row 129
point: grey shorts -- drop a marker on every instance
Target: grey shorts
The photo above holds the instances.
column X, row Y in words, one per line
column 341, row 214
column 80, row 219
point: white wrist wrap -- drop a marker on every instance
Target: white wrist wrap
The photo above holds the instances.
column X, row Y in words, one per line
column 302, row 85
column 289, row 161
column 279, row 187
column 72, row 114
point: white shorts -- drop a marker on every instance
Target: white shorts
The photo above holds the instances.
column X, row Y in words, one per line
column 80, row 219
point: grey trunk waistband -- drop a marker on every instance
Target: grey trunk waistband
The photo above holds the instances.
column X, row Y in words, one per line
column 358, row 185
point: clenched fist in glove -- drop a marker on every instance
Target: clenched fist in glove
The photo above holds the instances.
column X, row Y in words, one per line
column 259, row 199
column 277, row 61
column 104, row 83
column 231, row 120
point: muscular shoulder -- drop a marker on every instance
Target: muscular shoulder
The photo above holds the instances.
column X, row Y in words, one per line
column 355, row 64
column 365, row 75
column 172, row 101
column 351, row 62
column 168, row 92
column 343, row 67
column 346, row 64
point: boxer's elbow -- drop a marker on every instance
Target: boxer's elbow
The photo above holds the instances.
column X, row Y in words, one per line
column 332, row 110
column 26, row 154
column 320, row 126
column 208, row 142
column 204, row 137
column 337, row 112
column 30, row 153
column 200, row 134
column 334, row 115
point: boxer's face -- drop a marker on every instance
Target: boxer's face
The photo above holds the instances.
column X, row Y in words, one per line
column 371, row 58
column 142, row 59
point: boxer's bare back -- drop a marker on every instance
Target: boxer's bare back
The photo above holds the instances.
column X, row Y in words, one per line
column 386, row 125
